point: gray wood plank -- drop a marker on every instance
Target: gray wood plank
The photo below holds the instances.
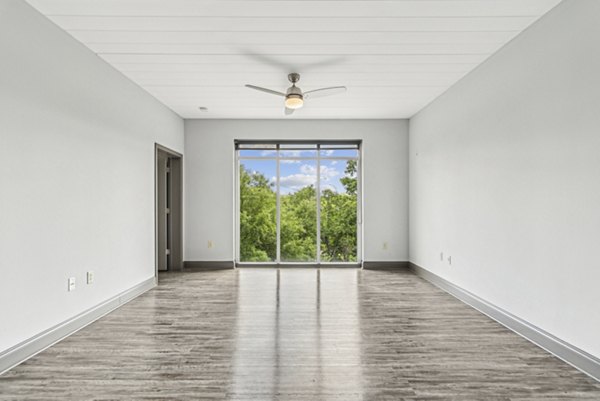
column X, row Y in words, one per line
column 296, row 334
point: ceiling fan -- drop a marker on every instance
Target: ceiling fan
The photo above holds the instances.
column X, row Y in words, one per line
column 294, row 97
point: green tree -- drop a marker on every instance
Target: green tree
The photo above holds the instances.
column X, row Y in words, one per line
column 258, row 231
column 338, row 227
column 350, row 182
column 338, row 219
column 299, row 225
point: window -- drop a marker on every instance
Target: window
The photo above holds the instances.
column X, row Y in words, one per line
column 298, row 202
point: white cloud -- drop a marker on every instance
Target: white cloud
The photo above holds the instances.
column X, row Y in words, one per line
column 290, row 153
column 329, row 172
column 295, row 182
column 326, row 172
column 284, row 161
column 307, row 176
column 308, row 169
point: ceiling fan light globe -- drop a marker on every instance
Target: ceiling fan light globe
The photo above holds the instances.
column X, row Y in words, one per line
column 294, row 102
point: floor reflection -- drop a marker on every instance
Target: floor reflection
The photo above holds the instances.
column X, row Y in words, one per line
column 297, row 331
column 295, row 334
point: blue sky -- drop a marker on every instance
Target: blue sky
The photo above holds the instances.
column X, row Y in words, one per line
column 296, row 174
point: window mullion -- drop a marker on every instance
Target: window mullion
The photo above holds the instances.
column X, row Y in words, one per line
column 278, row 209
column 318, row 188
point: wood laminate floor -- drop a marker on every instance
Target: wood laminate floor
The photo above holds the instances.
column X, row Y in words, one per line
column 296, row 334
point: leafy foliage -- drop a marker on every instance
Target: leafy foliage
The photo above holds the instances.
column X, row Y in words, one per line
column 299, row 225
column 258, row 227
column 349, row 181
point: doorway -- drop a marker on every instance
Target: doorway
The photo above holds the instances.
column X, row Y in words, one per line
column 168, row 209
column 298, row 202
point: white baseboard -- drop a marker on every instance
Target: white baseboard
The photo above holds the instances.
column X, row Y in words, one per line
column 572, row 355
column 36, row 344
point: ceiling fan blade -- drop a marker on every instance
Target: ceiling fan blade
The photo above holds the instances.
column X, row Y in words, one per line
column 284, row 66
column 324, row 63
column 334, row 90
column 272, row 92
column 289, row 111
column 268, row 60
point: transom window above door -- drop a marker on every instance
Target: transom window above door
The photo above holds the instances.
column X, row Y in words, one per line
column 298, row 202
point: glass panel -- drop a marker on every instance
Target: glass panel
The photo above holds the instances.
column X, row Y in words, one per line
column 340, row 146
column 298, row 153
column 258, row 153
column 256, row 146
column 298, row 146
column 258, row 208
column 298, row 211
column 339, row 152
column 338, row 210
column 298, row 207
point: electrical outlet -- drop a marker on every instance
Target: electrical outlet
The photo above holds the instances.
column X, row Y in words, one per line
column 442, row 256
column 385, row 246
column 71, row 284
column 450, row 260
column 90, row 277
column 210, row 244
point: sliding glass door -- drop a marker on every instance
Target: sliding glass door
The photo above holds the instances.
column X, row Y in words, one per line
column 298, row 202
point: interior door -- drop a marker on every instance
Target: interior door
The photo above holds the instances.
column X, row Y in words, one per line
column 162, row 227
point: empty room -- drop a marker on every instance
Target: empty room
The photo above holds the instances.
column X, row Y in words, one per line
column 299, row 200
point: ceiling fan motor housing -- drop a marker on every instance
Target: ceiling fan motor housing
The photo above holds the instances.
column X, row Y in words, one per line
column 293, row 91
column 294, row 98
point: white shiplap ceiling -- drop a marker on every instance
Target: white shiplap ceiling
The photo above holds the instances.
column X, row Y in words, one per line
column 395, row 56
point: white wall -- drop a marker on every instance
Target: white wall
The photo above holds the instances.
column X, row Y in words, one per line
column 505, row 177
column 209, row 181
column 77, row 181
